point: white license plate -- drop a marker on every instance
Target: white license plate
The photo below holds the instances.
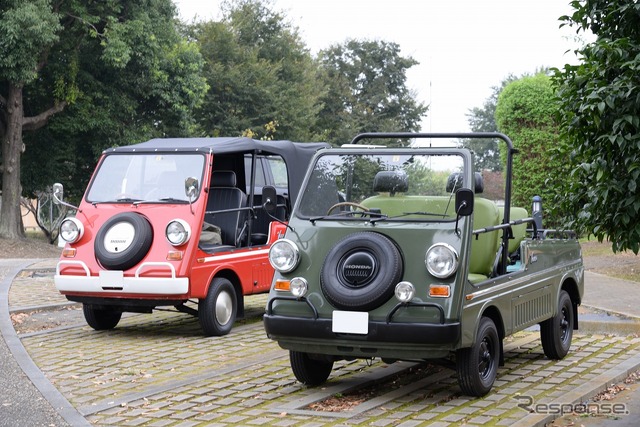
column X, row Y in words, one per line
column 350, row 322
column 111, row 279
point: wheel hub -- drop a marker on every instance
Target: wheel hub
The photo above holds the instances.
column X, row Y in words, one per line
column 224, row 308
column 357, row 269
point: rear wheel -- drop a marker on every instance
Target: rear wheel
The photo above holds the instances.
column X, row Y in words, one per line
column 556, row 332
column 100, row 319
column 477, row 366
column 218, row 311
column 309, row 371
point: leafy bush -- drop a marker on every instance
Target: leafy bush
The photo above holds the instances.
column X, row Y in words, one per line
column 526, row 113
column 600, row 113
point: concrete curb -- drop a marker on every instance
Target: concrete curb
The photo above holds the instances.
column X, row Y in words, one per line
column 35, row 375
column 45, row 307
column 591, row 388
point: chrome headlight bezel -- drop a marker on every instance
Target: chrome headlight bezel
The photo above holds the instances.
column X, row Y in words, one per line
column 71, row 230
column 177, row 232
column 298, row 286
column 284, row 255
column 441, row 260
column 405, row 291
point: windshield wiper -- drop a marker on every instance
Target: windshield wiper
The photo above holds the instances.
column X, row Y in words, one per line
column 163, row 200
column 374, row 220
column 421, row 213
column 371, row 214
column 123, row 199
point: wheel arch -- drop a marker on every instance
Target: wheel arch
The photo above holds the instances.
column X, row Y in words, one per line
column 493, row 313
column 571, row 287
column 232, row 277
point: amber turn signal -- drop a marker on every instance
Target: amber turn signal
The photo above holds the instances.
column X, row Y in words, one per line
column 69, row 252
column 282, row 285
column 174, row 255
column 439, row 291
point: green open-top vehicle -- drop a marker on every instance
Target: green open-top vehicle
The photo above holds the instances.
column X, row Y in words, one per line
column 395, row 253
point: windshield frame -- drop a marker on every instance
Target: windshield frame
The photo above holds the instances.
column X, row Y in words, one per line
column 142, row 196
column 374, row 216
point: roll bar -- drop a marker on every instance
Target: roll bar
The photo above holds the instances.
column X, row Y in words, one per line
column 469, row 135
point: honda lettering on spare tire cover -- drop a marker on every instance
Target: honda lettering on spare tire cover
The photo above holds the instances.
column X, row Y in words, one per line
column 360, row 271
column 123, row 241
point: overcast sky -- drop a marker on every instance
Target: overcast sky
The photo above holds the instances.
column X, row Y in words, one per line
column 464, row 46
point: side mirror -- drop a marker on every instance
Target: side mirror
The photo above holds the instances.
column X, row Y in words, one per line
column 269, row 198
column 464, row 202
column 191, row 187
column 58, row 193
column 58, row 196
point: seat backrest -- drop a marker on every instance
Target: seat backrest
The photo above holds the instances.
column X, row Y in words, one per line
column 483, row 249
column 262, row 220
column 454, row 182
column 223, row 194
column 520, row 230
column 391, row 182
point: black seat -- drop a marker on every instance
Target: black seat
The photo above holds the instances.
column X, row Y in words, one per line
column 454, row 182
column 262, row 220
column 391, row 182
column 225, row 196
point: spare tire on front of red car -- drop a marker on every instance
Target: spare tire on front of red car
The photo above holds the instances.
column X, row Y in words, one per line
column 123, row 241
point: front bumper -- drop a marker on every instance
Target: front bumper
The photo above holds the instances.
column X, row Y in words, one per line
column 297, row 327
column 114, row 282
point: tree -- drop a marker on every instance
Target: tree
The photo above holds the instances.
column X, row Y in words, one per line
column 96, row 74
column 366, row 91
column 600, row 113
column 28, row 30
column 526, row 112
column 482, row 119
column 263, row 80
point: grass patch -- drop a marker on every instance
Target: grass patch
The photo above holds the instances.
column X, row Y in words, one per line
column 595, row 248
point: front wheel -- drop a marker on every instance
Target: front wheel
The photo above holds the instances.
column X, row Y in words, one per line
column 308, row 371
column 556, row 332
column 477, row 366
column 100, row 319
column 219, row 309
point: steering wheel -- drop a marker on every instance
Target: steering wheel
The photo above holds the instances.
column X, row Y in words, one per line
column 353, row 204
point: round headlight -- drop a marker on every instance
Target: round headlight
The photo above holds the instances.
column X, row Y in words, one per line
column 441, row 260
column 284, row 255
column 178, row 232
column 298, row 287
column 405, row 291
column 71, row 230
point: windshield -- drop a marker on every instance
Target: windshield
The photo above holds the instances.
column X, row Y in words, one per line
column 415, row 187
column 154, row 177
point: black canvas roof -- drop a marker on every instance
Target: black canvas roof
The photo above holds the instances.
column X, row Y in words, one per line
column 218, row 145
column 296, row 155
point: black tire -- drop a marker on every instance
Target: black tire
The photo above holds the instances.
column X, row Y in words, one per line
column 101, row 319
column 218, row 311
column 308, row 371
column 136, row 246
column 556, row 333
column 360, row 271
column 477, row 366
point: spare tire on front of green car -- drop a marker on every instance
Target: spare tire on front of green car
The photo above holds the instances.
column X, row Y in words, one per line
column 123, row 241
column 361, row 271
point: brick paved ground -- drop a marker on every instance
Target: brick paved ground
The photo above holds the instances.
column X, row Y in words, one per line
column 158, row 370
